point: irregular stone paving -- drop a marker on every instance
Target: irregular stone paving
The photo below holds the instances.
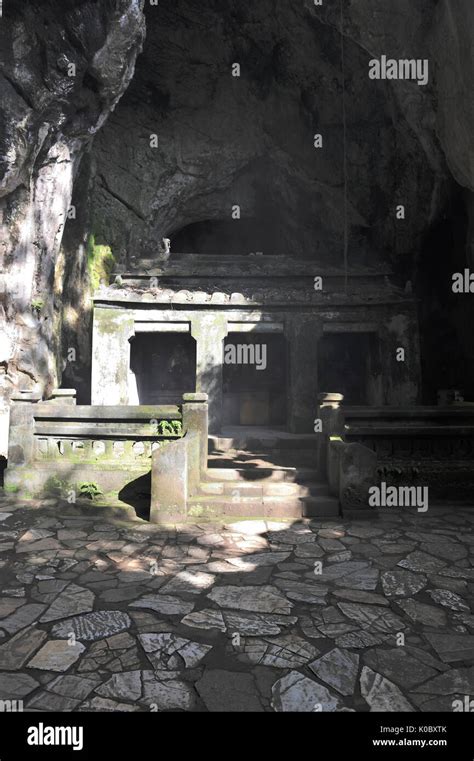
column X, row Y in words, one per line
column 101, row 614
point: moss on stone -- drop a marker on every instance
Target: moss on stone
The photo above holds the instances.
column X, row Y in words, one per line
column 100, row 262
column 11, row 488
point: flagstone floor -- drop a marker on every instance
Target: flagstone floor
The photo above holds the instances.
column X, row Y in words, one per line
column 100, row 614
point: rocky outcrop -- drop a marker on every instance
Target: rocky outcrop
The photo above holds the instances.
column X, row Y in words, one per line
column 64, row 67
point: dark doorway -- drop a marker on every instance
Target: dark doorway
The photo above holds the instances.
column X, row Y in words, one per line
column 254, row 379
column 164, row 365
column 349, row 364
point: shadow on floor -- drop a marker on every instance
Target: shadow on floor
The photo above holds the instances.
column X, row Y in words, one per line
column 137, row 494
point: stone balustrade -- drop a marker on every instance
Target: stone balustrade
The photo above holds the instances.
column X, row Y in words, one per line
column 59, row 449
column 427, row 445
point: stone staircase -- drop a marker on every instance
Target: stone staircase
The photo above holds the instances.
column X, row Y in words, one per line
column 269, row 474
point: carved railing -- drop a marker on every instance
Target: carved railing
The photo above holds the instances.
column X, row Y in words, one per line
column 57, row 448
column 421, row 445
column 102, row 434
column 420, row 433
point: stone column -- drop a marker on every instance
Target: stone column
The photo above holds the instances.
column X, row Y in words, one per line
column 209, row 330
column 331, row 416
column 112, row 331
column 302, row 334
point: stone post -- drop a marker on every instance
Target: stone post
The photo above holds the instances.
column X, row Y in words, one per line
column 209, row 330
column 20, row 445
column 332, row 419
column 169, row 482
column 195, row 420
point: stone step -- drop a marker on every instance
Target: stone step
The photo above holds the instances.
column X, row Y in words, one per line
column 265, row 507
column 276, row 460
column 265, row 488
column 310, row 489
column 262, row 475
column 262, row 442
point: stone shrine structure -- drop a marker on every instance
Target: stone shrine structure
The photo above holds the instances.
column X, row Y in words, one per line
column 164, row 329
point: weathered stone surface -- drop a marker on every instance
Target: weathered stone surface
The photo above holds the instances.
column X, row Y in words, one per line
column 286, row 651
column 338, row 669
column 452, row 647
column 71, row 602
column 364, row 532
column 116, row 653
column 91, row 626
column 255, row 625
column 312, row 594
column 22, row 617
column 35, row 533
column 420, row 612
column 192, row 583
column 168, row 651
column 166, row 604
column 360, row 639
column 264, row 599
column 398, row 666
column 289, row 536
column 254, row 560
column 126, row 686
column 169, row 695
column 381, row 694
column 41, row 546
column 56, row 655
column 421, row 562
column 309, row 550
column 456, row 681
column 8, row 605
column 448, row 599
column 402, row 583
column 47, row 701
column 355, row 595
column 231, row 691
column 73, row 686
column 47, row 591
column 205, row 619
column 296, row 693
column 372, row 617
column 448, row 550
column 15, row 652
column 103, row 705
column 16, row 686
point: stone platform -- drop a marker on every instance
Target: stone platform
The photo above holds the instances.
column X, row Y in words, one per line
column 306, row 615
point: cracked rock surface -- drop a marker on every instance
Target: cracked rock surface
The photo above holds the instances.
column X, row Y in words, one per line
column 87, row 627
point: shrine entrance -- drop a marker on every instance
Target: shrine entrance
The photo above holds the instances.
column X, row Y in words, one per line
column 255, row 379
column 163, row 366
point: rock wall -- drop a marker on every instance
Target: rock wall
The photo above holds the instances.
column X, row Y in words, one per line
column 249, row 140
column 64, row 67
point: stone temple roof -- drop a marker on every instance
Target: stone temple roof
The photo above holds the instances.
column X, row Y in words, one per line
column 190, row 279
